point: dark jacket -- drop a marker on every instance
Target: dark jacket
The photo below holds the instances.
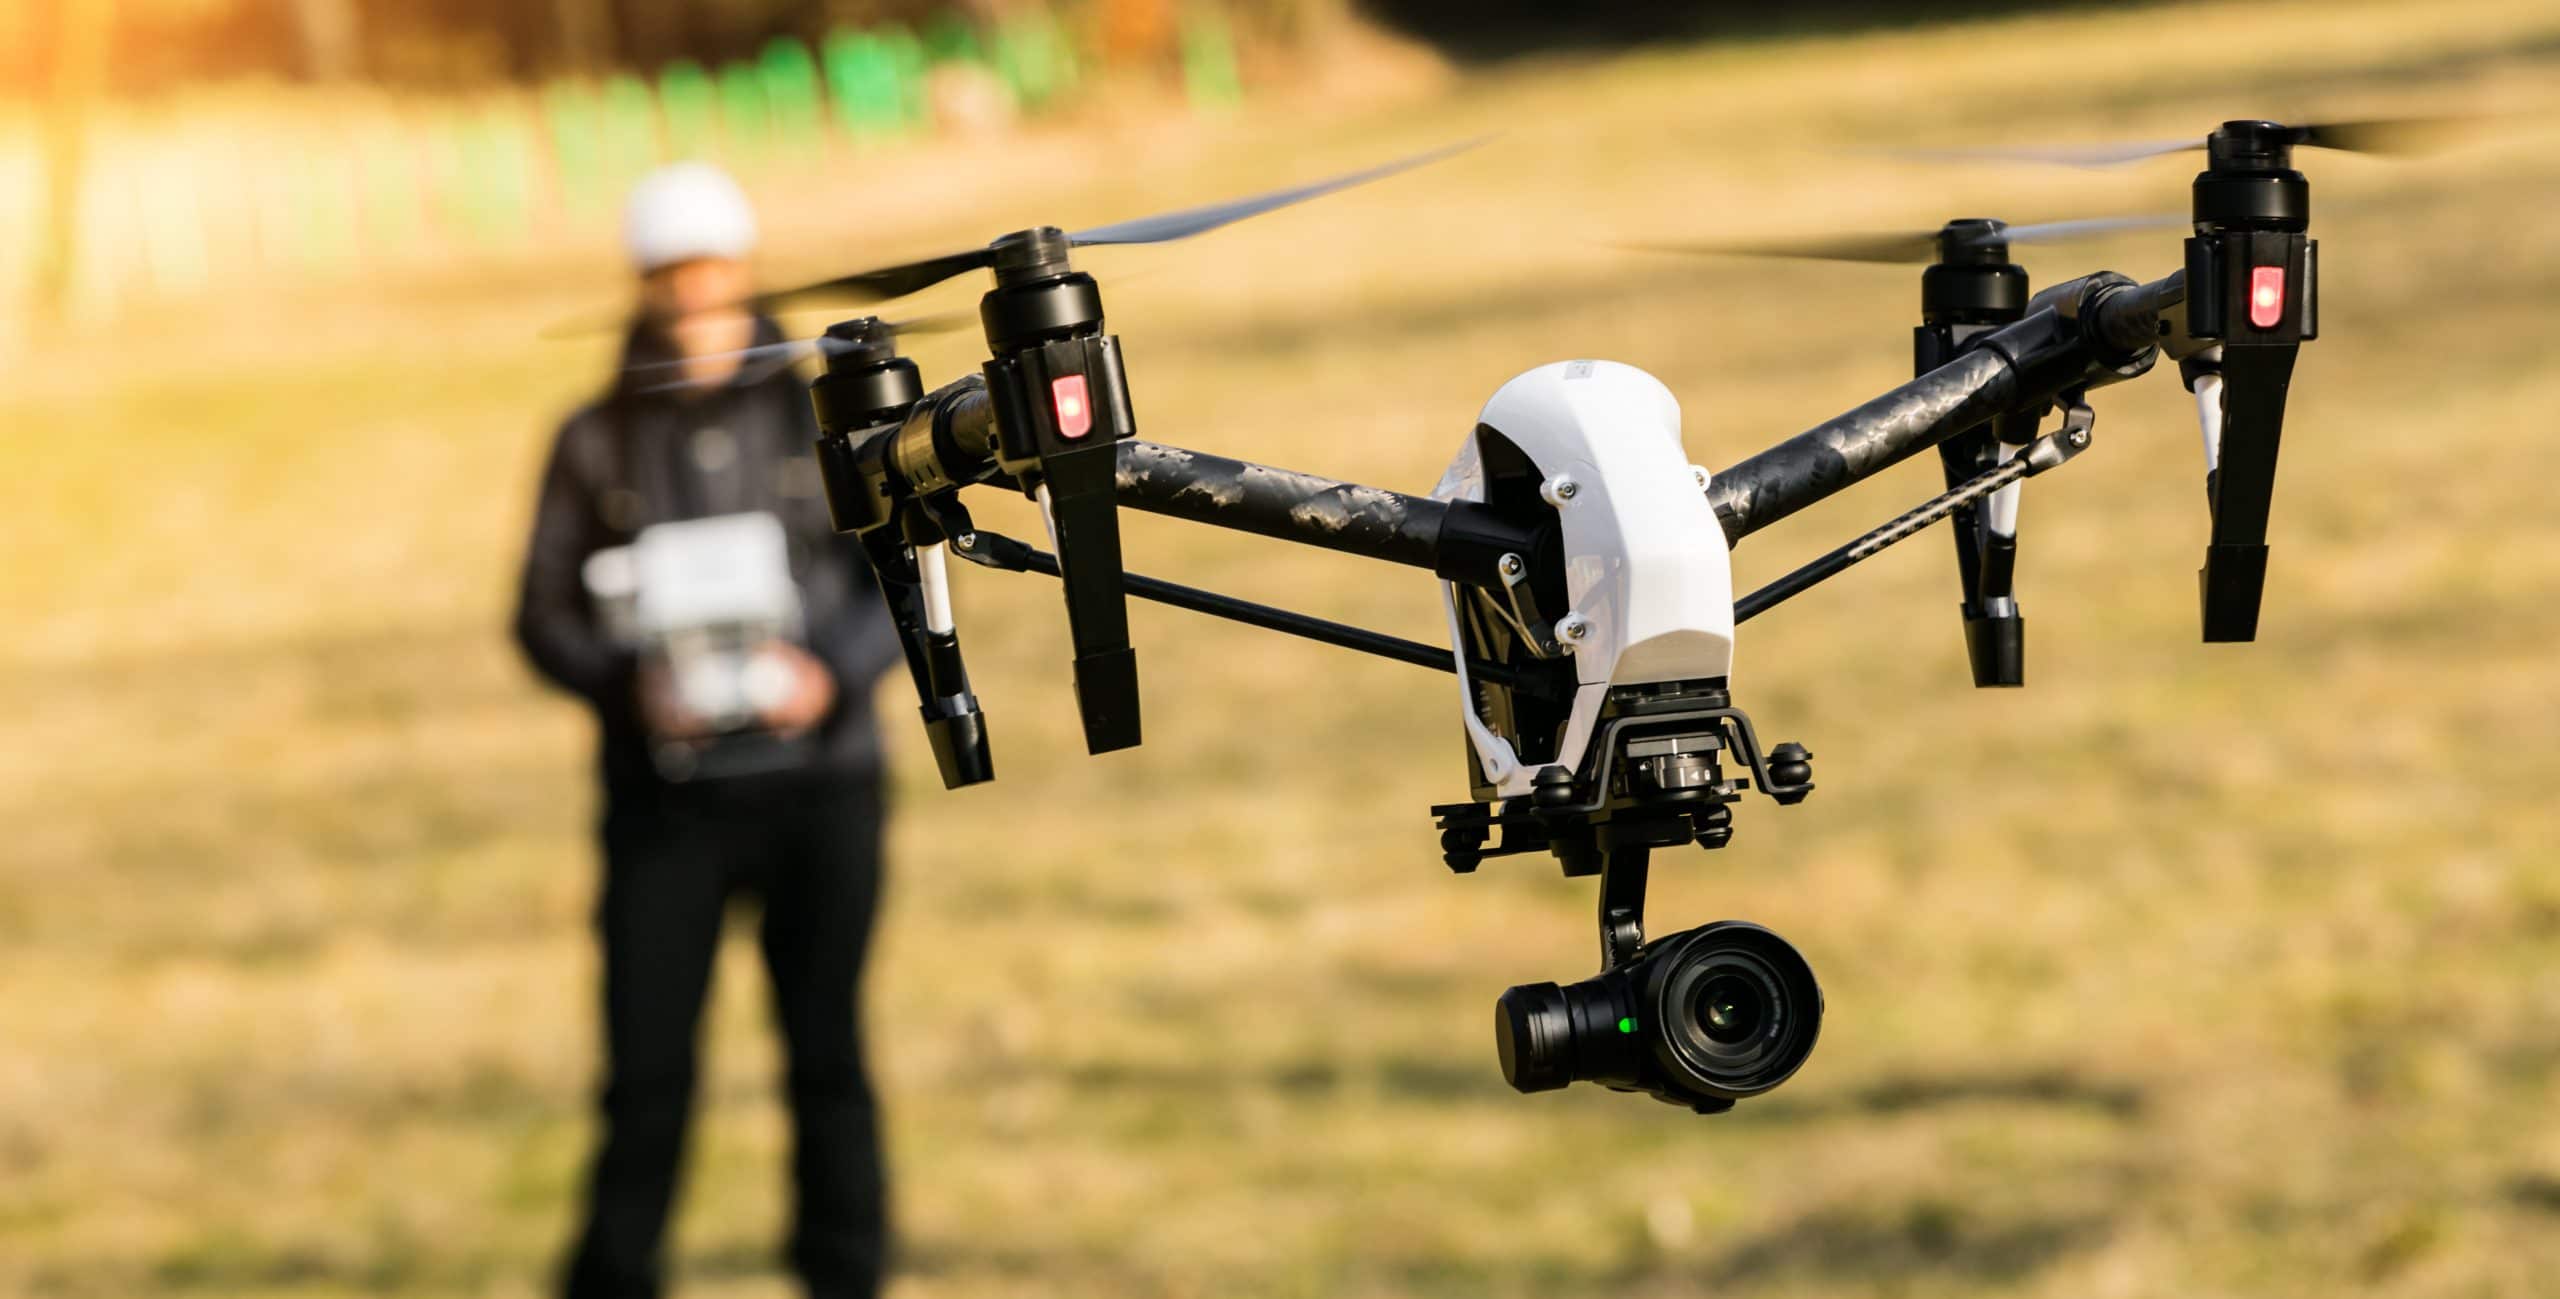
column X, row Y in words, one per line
column 636, row 457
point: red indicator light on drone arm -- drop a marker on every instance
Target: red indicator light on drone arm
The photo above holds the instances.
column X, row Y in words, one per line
column 1073, row 405
column 2266, row 296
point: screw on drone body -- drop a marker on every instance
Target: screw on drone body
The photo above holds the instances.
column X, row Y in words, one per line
column 1699, row 472
column 1573, row 628
column 1512, row 565
column 1559, row 489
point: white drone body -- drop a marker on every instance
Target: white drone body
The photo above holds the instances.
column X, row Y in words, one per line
column 1648, row 575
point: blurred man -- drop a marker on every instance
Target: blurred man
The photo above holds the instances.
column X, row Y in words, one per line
column 689, row 430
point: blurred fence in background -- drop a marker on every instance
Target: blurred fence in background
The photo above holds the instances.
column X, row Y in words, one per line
column 213, row 189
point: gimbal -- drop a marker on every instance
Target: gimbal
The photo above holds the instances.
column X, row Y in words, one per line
column 1584, row 560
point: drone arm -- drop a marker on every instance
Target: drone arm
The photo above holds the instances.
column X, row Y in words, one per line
column 2069, row 339
column 1456, row 539
column 1841, row 451
column 1460, row 540
column 2131, row 317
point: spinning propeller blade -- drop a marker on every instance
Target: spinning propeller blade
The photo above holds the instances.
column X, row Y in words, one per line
column 886, row 282
column 879, row 285
column 1170, row 226
column 2387, row 136
column 2048, row 232
column 2094, row 155
column 2378, row 135
column 622, row 319
column 908, row 277
column 1912, row 246
column 839, row 339
column 1899, row 246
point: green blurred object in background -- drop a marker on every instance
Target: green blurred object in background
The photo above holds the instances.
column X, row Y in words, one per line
column 870, row 77
column 1209, row 76
column 795, row 111
column 498, row 157
column 573, row 119
column 1033, row 57
column 689, row 107
column 951, row 39
column 440, row 176
column 746, row 118
column 629, row 144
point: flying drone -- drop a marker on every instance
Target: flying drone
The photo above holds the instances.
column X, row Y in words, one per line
column 1583, row 557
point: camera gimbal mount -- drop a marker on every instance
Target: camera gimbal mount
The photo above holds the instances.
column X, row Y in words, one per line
column 1583, row 560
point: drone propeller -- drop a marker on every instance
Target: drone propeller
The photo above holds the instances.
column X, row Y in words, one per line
column 887, row 282
column 622, row 319
column 884, row 283
column 2375, row 135
column 843, row 338
column 1916, row 246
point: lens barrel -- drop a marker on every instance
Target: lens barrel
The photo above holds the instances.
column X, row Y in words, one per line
column 1704, row 1018
column 1738, row 1009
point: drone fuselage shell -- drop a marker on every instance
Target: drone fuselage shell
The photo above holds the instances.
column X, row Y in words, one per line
column 1648, row 575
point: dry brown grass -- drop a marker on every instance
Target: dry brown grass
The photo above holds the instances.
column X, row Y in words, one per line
column 2188, row 971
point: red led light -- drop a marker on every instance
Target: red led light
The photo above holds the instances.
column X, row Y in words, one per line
column 2266, row 296
column 1074, row 407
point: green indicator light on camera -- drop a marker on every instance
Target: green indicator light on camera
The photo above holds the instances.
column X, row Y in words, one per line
column 1627, row 1024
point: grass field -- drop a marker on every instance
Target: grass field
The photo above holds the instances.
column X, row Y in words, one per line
column 2188, row 971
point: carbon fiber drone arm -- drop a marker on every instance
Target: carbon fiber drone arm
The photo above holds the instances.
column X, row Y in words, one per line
column 2072, row 337
column 1460, row 540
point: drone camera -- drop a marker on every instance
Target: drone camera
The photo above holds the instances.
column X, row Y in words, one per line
column 1702, row 1018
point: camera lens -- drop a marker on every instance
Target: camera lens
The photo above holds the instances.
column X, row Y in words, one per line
column 1739, row 1008
column 1730, row 1009
column 1703, row 1018
column 1533, row 1034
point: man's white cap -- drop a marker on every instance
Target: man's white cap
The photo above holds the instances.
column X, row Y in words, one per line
column 686, row 210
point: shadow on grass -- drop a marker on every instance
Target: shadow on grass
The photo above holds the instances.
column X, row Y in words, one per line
column 1912, row 1093
column 399, row 1264
column 1435, row 1079
column 1923, row 1240
column 1403, row 1077
column 971, row 1265
column 1922, row 1237
column 2539, row 1191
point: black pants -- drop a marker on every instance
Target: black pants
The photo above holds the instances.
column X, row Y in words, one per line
column 810, row 847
